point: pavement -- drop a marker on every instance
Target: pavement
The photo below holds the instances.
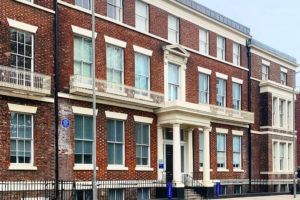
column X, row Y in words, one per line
column 277, row 197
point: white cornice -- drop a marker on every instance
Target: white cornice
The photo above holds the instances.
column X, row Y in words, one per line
column 82, row 31
column 83, row 111
column 22, row 108
column 22, row 26
column 204, row 70
column 114, row 41
column 221, row 76
column 115, row 115
column 237, row 80
column 146, row 120
column 142, row 50
column 203, row 21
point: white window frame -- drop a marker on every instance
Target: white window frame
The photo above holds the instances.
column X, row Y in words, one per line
column 82, row 62
column 203, row 91
column 82, row 140
column 225, row 93
column 283, row 78
column 283, row 159
column 225, row 156
column 142, row 145
column 221, row 48
column 113, row 69
column 118, row 11
column 281, row 113
column 174, row 85
column 239, row 100
column 288, row 119
column 89, row 2
column 172, row 17
column 149, row 76
column 288, row 158
column 236, row 57
column 265, row 76
column 147, row 15
column 205, row 42
column 114, row 142
column 240, row 152
column 24, row 139
column 274, row 110
column 20, row 55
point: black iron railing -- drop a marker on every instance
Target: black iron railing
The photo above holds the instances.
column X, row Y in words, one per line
column 109, row 189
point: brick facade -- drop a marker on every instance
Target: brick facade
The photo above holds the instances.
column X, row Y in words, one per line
column 155, row 40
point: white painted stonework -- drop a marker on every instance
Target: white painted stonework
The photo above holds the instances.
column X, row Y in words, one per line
column 22, row 26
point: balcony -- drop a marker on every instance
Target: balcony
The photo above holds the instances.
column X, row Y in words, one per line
column 82, row 85
column 202, row 114
column 24, row 82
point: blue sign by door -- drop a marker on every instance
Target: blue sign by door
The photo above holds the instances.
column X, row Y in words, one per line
column 169, row 190
column 218, row 189
column 65, row 123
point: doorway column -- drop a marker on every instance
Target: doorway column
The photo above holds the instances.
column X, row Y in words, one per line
column 190, row 152
column 176, row 156
column 160, row 152
column 206, row 159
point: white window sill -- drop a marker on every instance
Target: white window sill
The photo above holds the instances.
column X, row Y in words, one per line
column 222, row 170
column 83, row 167
column 143, row 168
column 238, row 170
column 14, row 166
column 117, row 168
column 201, row 169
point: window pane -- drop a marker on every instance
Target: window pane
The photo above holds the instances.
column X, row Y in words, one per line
column 119, row 131
column 88, row 128
column 119, row 154
column 78, row 147
column 78, row 127
column 138, row 131
column 111, row 153
column 88, row 147
column 13, row 145
column 111, row 130
column 146, row 134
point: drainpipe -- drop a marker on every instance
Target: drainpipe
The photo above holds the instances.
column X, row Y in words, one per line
column 249, row 109
column 56, row 83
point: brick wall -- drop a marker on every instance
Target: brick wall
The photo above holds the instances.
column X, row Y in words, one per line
column 66, row 144
column 229, row 153
column 192, row 85
column 189, row 34
column 274, row 70
column 70, row 17
column 43, row 141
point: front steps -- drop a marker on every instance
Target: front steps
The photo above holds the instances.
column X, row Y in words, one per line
column 191, row 194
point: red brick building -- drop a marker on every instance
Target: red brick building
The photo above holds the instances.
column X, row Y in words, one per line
column 181, row 94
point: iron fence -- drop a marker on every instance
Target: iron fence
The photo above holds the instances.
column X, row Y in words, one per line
column 80, row 190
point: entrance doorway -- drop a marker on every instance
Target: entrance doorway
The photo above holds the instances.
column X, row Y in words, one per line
column 169, row 162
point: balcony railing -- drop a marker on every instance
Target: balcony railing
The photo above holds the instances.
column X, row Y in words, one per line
column 232, row 113
column 23, row 81
column 211, row 111
column 82, row 85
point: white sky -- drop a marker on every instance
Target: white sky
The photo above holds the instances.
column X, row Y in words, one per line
column 273, row 22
